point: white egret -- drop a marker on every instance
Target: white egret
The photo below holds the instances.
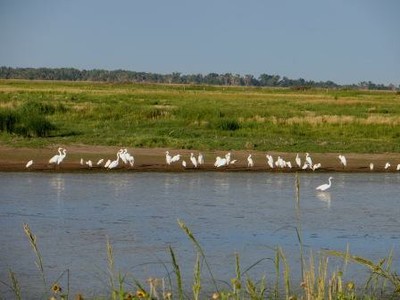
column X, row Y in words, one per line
column 309, row 160
column 54, row 159
column 193, row 160
column 371, row 166
column 289, row 164
column 343, row 160
column 316, row 166
column 184, row 163
column 298, row 160
column 29, row 164
column 270, row 161
column 220, row 162
column 89, row 163
column 250, row 162
column 200, row 159
column 228, row 158
column 175, row 158
column 398, row 167
column 168, row 158
column 100, row 161
column 123, row 155
column 131, row 160
column 232, row 162
column 62, row 156
column 107, row 164
column 115, row 163
column 324, row 187
column 81, row 162
column 387, row 165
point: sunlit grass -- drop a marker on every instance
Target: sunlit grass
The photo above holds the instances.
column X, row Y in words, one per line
column 208, row 117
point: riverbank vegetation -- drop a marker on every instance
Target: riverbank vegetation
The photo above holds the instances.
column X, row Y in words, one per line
column 203, row 117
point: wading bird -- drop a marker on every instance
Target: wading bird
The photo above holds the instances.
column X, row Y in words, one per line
column 193, row 160
column 54, row 159
column 250, row 162
column 29, row 164
column 61, row 156
column 324, row 187
column 200, row 159
column 298, row 160
column 343, row 160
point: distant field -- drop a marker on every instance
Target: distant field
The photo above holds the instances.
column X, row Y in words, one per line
column 200, row 117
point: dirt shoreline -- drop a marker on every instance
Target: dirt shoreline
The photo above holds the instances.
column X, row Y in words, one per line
column 153, row 160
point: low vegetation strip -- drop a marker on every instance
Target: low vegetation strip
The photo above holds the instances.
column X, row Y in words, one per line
column 202, row 117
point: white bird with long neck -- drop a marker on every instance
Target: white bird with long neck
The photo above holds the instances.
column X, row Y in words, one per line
column 200, row 159
column 387, row 165
column 250, row 162
column 324, row 187
column 309, row 160
column 115, row 163
column 270, row 161
column 168, row 158
column 371, row 166
column 298, row 160
column 54, row 159
column 343, row 160
column 193, row 160
column 62, row 156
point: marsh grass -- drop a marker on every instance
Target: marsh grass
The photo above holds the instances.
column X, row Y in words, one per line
column 318, row 280
column 198, row 117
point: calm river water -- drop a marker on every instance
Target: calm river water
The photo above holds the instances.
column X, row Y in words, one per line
column 246, row 213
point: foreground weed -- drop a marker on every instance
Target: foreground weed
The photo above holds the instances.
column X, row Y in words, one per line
column 199, row 249
column 39, row 262
column 381, row 273
column 178, row 274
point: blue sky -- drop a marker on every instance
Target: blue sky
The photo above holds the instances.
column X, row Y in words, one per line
column 346, row 41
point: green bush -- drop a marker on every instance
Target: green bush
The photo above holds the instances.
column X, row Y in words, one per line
column 8, row 120
column 228, row 125
column 29, row 120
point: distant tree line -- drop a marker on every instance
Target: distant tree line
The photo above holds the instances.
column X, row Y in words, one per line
column 227, row 79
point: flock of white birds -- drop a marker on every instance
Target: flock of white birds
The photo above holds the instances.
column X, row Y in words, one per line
column 128, row 159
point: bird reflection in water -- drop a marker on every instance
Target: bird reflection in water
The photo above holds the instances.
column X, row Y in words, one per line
column 57, row 182
column 325, row 197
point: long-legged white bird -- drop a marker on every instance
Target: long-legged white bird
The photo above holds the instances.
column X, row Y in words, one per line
column 62, row 156
column 343, row 160
column 250, row 162
column 54, row 159
column 324, row 187
column 193, row 160
column 200, row 159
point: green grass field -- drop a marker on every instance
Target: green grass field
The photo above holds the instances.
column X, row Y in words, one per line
column 44, row 113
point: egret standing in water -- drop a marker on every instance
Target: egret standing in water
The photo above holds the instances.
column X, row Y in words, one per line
column 324, row 187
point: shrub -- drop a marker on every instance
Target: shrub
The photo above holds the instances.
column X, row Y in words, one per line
column 8, row 120
column 228, row 125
